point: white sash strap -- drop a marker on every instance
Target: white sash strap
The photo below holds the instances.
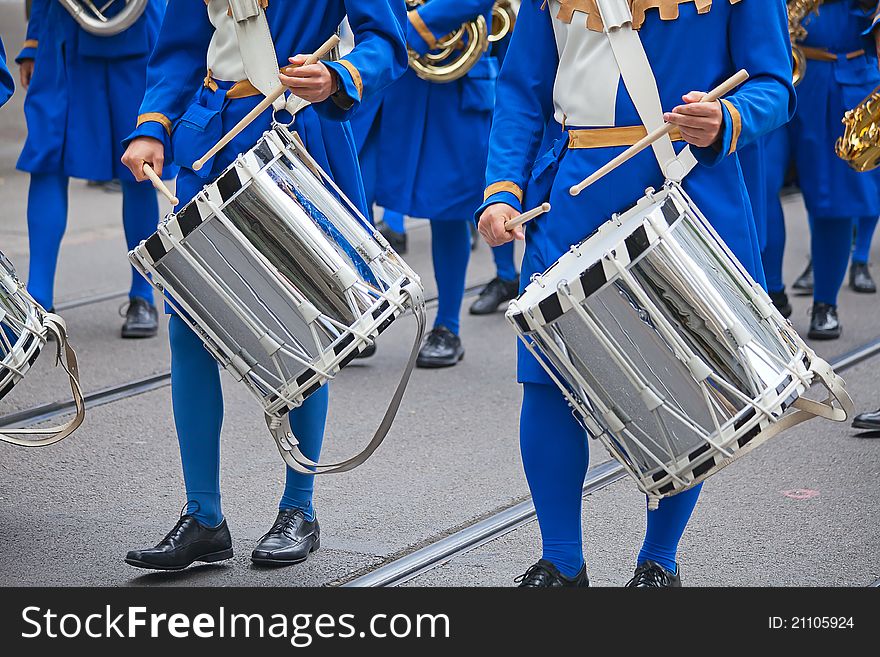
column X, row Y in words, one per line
column 638, row 78
column 256, row 47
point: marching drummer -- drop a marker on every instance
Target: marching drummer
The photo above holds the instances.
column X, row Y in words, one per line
column 83, row 88
column 197, row 91
column 563, row 67
column 429, row 141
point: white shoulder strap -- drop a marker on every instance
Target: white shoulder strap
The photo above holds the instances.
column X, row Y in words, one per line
column 256, row 46
column 638, row 78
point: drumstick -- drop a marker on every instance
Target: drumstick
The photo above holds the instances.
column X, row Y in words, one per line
column 525, row 217
column 265, row 104
column 724, row 88
column 160, row 185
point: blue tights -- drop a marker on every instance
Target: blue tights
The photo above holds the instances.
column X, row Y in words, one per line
column 831, row 245
column 504, row 265
column 47, row 220
column 864, row 234
column 555, row 457
column 450, row 250
column 774, row 249
column 197, row 400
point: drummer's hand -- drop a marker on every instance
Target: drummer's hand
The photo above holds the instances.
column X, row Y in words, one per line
column 492, row 225
column 314, row 83
column 144, row 150
column 26, row 72
column 699, row 122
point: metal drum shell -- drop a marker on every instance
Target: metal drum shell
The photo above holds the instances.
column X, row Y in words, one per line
column 687, row 278
column 23, row 334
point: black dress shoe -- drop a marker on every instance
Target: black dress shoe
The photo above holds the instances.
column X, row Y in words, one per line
column 141, row 319
column 860, row 278
column 545, row 575
column 804, row 283
column 869, row 421
column 398, row 241
column 493, row 295
column 188, row 542
column 652, row 575
column 442, row 348
column 291, row 540
column 780, row 300
column 824, row 323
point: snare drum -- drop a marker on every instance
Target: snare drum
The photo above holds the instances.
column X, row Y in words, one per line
column 283, row 280
column 24, row 331
column 666, row 349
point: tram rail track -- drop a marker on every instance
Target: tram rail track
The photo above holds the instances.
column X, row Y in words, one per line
column 402, row 569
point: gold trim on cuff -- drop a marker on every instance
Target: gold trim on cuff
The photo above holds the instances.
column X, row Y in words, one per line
column 737, row 125
column 422, row 29
column 158, row 118
column 503, row 186
column 30, row 43
column 355, row 76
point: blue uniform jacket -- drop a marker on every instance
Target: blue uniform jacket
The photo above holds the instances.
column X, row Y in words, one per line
column 84, row 94
column 7, row 86
column 831, row 188
column 693, row 49
column 188, row 116
column 425, row 144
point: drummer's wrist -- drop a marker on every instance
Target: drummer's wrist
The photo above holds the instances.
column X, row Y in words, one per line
column 339, row 97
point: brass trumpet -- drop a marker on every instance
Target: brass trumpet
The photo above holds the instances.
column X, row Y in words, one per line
column 798, row 10
column 860, row 145
column 456, row 53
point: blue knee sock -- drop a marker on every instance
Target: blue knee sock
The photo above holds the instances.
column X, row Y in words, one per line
column 774, row 250
column 831, row 245
column 198, row 415
column 47, row 219
column 865, row 227
column 666, row 526
column 394, row 221
column 450, row 249
column 140, row 216
column 307, row 423
column 504, row 266
column 555, row 456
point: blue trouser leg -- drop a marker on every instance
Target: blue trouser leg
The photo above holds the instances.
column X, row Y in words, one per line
column 505, row 267
column 831, row 246
column 555, row 456
column 140, row 217
column 450, row 250
column 197, row 399
column 307, row 423
column 865, row 227
column 775, row 247
column 47, row 219
column 394, row 221
column 666, row 526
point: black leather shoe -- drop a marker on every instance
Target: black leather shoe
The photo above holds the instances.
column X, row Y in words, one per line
column 545, row 575
column 141, row 319
column 652, row 575
column 780, row 300
column 860, row 278
column 291, row 540
column 824, row 323
column 493, row 295
column 441, row 348
column 869, row 421
column 188, row 542
column 398, row 241
column 804, row 283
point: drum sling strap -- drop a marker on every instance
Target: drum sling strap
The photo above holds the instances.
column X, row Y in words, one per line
column 256, row 47
column 641, row 84
column 66, row 357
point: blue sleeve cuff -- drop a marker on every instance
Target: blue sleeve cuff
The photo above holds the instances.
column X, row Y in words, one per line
column 731, row 127
column 155, row 130
column 346, row 100
column 498, row 197
column 26, row 53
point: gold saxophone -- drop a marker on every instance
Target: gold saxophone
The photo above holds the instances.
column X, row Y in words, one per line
column 798, row 10
column 456, row 53
column 860, row 145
